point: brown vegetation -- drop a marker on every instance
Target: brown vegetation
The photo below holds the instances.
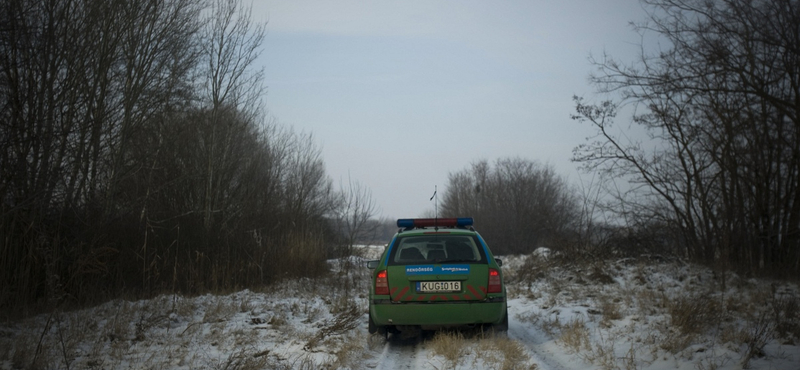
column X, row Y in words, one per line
column 518, row 205
column 136, row 157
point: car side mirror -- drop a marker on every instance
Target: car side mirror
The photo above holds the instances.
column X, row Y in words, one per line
column 372, row 264
column 499, row 262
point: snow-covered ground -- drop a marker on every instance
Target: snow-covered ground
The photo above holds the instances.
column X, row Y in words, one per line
column 627, row 314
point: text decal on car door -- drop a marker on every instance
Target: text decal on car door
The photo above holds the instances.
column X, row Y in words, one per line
column 437, row 270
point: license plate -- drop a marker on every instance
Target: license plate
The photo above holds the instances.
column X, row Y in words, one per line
column 438, row 286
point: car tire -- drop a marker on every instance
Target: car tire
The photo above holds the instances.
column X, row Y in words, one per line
column 372, row 328
column 503, row 325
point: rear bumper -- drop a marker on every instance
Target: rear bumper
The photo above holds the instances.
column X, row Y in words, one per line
column 437, row 314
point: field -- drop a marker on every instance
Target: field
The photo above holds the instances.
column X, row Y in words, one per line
column 646, row 313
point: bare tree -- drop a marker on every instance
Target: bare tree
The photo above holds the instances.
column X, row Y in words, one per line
column 308, row 192
column 231, row 44
column 354, row 213
column 518, row 204
column 79, row 79
column 721, row 108
column 136, row 157
column 156, row 49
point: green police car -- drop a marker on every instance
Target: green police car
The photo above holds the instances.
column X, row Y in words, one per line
column 436, row 273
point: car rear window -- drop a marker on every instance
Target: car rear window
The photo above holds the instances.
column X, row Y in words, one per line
column 439, row 248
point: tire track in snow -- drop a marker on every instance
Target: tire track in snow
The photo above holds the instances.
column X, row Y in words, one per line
column 402, row 354
column 533, row 339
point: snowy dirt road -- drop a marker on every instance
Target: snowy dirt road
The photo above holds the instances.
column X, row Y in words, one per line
column 522, row 347
column 403, row 354
column 536, row 342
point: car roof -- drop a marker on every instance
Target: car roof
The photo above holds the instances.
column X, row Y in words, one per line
column 440, row 230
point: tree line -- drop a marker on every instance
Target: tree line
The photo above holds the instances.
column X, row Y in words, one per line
column 136, row 158
column 721, row 166
column 518, row 204
column 716, row 177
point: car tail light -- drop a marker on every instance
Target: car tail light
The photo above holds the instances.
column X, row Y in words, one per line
column 382, row 283
column 494, row 282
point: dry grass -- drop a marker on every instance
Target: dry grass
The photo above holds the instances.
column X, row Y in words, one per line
column 51, row 341
column 220, row 310
column 302, row 362
column 599, row 274
column 693, row 314
column 350, row 351
column 675, row 310
column 241, row 359
column 785, row 311
column 711, row 363
column 488, row 351
column 649, row 301
column 603, row 353
column 551, row 324
column 610, row 308
column 499, row 352
column 345, row 321
column 680, row 306
column 690, row 316
column 450, row 345
column 575, row 335
column 630, row 361
column 756, row 334
column 156, row 334
column 23, row 352
column 667, row 318
column 533, row 268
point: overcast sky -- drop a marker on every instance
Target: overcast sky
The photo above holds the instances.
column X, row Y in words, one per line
column 398, row 94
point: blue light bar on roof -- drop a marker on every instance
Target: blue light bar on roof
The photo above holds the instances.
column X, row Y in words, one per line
column 407, row 223
column 410, row 223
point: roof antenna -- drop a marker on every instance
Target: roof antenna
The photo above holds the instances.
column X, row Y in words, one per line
column 435, row 209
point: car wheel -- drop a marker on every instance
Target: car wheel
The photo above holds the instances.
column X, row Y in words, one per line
column 503, row 325
column 372, row 327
